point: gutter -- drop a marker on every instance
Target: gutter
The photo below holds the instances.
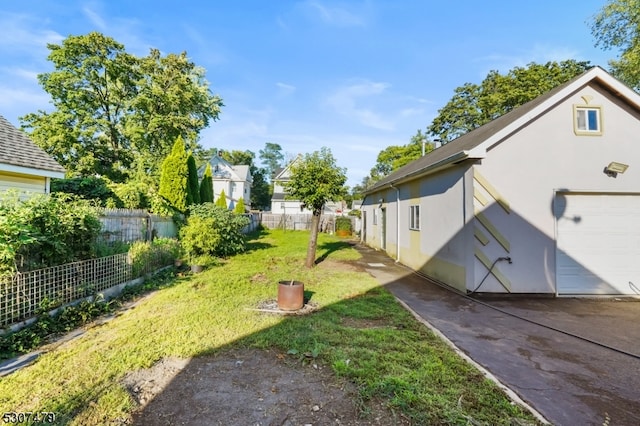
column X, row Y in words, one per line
column 459, row 156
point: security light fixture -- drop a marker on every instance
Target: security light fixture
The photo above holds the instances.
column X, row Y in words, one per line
column 614, row 168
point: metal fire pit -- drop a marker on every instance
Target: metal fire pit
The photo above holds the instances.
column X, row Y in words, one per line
column 290, row 295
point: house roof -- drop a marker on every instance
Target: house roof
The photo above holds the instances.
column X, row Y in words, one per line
column 221, row 169
column 22, row 155
column 474, row 144
column 284, row 173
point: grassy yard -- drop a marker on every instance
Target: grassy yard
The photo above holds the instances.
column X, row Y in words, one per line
column 359, row 331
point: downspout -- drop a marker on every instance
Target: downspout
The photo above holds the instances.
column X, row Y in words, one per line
column 363, row 227
column 397, row 222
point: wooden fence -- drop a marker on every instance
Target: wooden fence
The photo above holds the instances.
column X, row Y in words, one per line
column 128, row 225
column 296, row 222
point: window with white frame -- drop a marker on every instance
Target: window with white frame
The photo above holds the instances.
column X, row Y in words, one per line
column 587, row 120
column 414, row 217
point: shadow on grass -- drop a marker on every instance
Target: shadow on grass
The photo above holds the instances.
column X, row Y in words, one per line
column 308, row 294
column 354, row 338
column 332, row 247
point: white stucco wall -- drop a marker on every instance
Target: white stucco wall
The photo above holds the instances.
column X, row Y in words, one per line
column 543, row 157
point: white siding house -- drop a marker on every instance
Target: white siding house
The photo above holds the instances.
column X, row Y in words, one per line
column 23, row 165
column 543, row 200
column 235, row 181
column 282, row 203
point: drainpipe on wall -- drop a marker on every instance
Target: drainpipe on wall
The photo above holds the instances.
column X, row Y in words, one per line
column 397, row 222
column 363, row 227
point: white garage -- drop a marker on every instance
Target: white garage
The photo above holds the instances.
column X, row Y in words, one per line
column 598, row 243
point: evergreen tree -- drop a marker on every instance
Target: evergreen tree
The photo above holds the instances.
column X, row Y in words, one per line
column 222, row 200
column 174, row 177
column 239, row 208
column 194, row 188
column 206, row 186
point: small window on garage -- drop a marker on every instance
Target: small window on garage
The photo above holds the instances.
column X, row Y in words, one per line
column 587, row 120
column 414, row 217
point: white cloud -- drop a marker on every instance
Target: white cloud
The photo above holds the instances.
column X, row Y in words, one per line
column 346, row 102
column 22, row 32
column 334, row 15
column 12, row 99
column 28, row 75
column 285, row 89
column 95, row 18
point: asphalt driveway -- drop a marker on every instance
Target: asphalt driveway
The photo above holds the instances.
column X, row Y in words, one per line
column 576, row 361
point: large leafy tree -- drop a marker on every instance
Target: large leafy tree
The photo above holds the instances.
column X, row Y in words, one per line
column 173, row 99
column 617, row 25
column 113, row 110
column 91, row 88
column 316, row 179
column 272, row 158
column 395, row 156
column 473, row 105
column 260, row 189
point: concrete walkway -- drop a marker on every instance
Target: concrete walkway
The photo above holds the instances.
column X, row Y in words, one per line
column 530, row 345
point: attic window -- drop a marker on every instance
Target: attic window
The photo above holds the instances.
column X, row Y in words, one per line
column 587, row 120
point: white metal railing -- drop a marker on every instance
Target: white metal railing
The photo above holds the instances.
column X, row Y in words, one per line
column 25, row 294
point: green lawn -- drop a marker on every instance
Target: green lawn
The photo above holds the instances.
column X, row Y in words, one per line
column 359, row 330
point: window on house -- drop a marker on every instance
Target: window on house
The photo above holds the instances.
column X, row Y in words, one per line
column 587, row 120
column 414, row 217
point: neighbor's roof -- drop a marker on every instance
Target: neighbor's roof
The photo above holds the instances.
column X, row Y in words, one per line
column 474, row 144
column 16, row 149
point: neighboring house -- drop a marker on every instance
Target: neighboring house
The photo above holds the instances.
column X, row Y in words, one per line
column 282, row 203
column 543, row 200
column 23, row 165
column 234, row 180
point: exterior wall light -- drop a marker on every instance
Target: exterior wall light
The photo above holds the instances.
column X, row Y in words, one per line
column 614, row 168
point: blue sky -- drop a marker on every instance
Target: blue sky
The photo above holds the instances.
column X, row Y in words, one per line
column 355, row 76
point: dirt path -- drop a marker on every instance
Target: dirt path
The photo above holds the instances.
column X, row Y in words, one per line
column 248, row 387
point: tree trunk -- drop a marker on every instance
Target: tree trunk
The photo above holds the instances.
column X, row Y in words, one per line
column 313, row 240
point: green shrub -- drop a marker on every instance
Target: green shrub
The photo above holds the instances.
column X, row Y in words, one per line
column 206, row 186
column 199, row 237
column 194, row 187
column 174, row 177
column 222, row 200
column 239, row 208
column 88, row 188
column 343, row 224
column 146, row 256
column 132, row 195
column 140, row 255
column 168, row 249
column 46, row 230
column 213, row 230
column 103, row 248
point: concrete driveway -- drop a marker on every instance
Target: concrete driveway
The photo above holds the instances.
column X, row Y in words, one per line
column 576, row 361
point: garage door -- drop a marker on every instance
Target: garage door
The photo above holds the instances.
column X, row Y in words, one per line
column 598, row 244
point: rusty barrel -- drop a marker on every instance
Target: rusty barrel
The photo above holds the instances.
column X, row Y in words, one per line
column 290, row 295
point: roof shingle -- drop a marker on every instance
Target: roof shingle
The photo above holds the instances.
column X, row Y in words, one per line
column 18, row 150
